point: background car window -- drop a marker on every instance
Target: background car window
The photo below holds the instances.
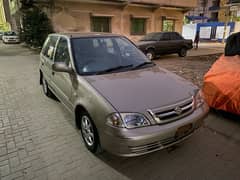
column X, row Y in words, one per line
column 176, row 36
column 49, row 47
column 62, row 52
column 10, row 33
column 166, row 37
column 152, row 37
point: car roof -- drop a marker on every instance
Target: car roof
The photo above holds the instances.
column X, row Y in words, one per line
column 84, row 35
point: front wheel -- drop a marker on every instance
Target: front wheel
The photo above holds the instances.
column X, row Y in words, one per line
column 150, row 54
column 183, row 52
column 89, row 133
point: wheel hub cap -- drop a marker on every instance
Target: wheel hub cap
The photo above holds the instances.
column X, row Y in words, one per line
column 87, row 130
column 149, row 55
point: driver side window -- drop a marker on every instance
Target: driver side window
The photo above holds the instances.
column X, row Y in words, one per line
column 62, row 52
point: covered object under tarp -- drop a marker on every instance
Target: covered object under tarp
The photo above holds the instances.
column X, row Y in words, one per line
column 222, row 84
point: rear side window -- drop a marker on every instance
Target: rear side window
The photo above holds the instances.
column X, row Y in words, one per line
column 49, row 47
column 62, row 52
column 176, row 36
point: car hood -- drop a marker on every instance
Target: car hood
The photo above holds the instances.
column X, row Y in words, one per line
column 139, row 90
column 142, row 43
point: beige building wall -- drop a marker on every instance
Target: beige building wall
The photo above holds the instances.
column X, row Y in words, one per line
column 222, row 11
column 76, row 16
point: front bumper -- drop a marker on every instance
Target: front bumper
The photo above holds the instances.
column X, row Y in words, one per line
column 139, row 141
column 11, row 41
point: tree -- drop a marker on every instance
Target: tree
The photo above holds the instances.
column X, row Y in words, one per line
column 35, row 25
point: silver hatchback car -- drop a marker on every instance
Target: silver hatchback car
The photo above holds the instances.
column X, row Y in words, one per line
column 122, row 102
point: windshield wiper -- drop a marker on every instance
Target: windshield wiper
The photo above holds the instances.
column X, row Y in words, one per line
column 144, row 64
column 114, row 69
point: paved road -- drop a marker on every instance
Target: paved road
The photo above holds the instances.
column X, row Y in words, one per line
column 204, row 48
column 38, row 140
column 207, row 48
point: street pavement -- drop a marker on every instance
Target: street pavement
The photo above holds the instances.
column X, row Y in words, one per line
column 38, row 139
column 207, row 49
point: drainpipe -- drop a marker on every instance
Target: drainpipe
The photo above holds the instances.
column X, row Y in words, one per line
column 227, row 11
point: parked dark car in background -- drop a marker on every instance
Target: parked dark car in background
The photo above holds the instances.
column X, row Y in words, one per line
column 158, row 43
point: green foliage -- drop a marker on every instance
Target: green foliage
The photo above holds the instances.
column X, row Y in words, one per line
column 36, row 27
column 237, row 18
column 186, row 20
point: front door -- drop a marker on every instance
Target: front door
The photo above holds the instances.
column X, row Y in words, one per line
column 61, row 80
column 47, row 55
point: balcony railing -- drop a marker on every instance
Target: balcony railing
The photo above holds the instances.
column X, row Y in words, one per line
column 233, row 1
column 214, row 8
column 213, row 20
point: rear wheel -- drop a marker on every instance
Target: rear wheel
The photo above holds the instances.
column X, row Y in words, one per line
column 89, row 133
column 150, row 54
column 183, row 52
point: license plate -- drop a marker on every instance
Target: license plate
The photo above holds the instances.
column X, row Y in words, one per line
column 183, row 131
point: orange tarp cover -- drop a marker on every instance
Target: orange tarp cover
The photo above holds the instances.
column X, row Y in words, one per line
column 222, row 84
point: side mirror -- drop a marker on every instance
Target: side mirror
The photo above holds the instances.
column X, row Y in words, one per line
column 62, row 67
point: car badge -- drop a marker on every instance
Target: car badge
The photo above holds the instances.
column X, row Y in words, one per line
column 178, row 110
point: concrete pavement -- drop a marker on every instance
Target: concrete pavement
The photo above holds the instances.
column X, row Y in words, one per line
column 38, row 139
column 204, row 49
column 207, row 48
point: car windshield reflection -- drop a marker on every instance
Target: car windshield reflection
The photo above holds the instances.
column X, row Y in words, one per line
column 105, row 54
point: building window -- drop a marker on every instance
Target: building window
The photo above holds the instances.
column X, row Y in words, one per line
column 168, row 25
column 138, row 26
column 100, row 24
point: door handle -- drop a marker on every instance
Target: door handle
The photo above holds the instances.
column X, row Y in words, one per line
column 53, row 73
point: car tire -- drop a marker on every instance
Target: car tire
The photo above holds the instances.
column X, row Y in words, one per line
column 183, row 52
column 89, row 133
column 150, row 54
column 45, row 87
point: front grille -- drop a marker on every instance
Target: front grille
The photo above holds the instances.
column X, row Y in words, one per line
column 176, row 112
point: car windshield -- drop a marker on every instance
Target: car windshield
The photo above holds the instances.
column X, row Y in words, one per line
column 10, row 33
column 152, row 37
column 101, row 55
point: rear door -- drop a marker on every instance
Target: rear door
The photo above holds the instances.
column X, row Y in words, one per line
column 47, row 56
column 176, row 41
column 62, row 81
column 166, row 43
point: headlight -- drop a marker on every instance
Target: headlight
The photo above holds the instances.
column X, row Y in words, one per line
column 128, row 120
column 199, row 99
